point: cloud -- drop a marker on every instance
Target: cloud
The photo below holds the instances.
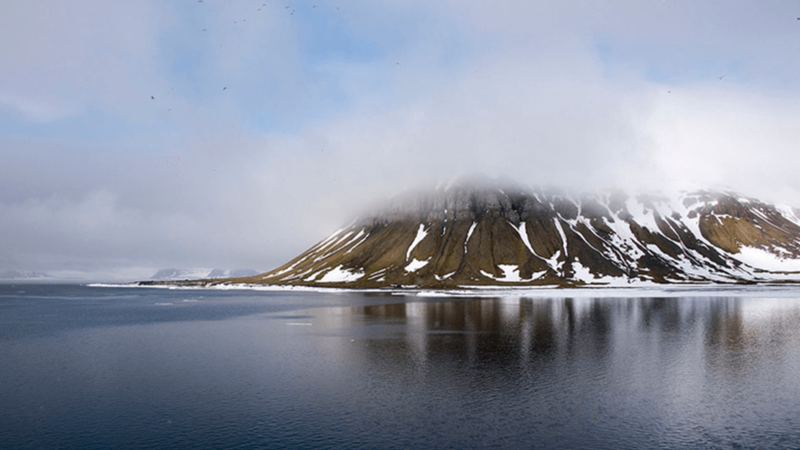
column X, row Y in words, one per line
column 328, row 110
column 727, row 137
column 56, row 58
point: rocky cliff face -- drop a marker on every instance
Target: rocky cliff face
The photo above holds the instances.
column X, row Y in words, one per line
column 490, row 236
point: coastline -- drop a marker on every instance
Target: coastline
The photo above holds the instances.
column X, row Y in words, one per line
column 771, row 289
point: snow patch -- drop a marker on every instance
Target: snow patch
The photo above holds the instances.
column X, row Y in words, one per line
column 582, row 273
column 378, row 273
column 762, row 259
column 416, row 264
column 469, row 233
column 510, row 273
column 361, row 235
column 523, row 234
column 788, row 213
column 563, row 236
column 553, row 261
column 421, row 233
column 310, row 278
column 338, row 275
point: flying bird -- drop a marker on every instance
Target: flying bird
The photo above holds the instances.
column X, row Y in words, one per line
column 226, row 87
column 152, row 98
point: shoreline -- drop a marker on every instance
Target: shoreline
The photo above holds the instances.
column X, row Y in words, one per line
column 550, row 291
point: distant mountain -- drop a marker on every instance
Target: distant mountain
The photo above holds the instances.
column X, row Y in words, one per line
column 192, row 274
column 512, row 236
column 231, row 273
column 22, row 275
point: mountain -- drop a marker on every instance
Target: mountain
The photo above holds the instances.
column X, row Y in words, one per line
column 184, row 274
column 513, row 236
column 22, row 275
column 231, row 273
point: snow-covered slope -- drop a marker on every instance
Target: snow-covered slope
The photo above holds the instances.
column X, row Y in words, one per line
column 462, row 236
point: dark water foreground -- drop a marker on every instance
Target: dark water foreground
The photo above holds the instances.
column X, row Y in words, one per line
column 90, row 367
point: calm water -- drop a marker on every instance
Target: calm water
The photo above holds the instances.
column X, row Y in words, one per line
column 95, row 367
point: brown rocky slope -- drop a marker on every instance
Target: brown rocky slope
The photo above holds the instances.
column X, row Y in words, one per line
column 465, row 236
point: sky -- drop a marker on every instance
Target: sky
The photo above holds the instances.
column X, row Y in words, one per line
column 150, row 134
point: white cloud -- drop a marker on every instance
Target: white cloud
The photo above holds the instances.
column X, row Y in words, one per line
column 303, row 137
column 57, row 57
column 727, row 137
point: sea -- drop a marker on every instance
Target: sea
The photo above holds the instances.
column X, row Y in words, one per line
column 97, row 367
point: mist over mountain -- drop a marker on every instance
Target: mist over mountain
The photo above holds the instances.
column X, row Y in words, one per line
column 490, row 234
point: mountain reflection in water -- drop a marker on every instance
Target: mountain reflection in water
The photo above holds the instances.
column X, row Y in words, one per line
column 688, row 371
column 514, row 333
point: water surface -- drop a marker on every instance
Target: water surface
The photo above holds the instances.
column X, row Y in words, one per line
column 98, row 367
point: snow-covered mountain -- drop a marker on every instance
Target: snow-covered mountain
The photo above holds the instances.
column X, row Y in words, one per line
column 187, row 274
column 23, row 275
column 511, row 236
